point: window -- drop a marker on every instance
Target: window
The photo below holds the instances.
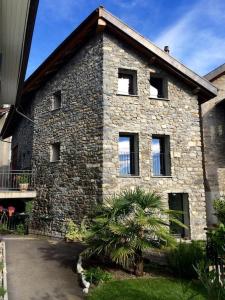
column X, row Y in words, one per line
column 161, row 155
column 55, row 152
column 57, row 100
column 127, row 82
column 157, row 87
column 128, row 154
column 179, row 202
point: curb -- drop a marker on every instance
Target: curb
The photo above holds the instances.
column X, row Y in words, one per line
column 4, row 271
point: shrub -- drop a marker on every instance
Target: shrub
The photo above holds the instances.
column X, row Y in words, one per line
column 127, row 225
column 210, row 280
column 23, row 179
column 219, row 206
column 29, row 207
column 2, row 292
column 75, row 232
column 97, row 275
column 184, row 257
column 20, row 229
column 216, row 241
column 4, row 229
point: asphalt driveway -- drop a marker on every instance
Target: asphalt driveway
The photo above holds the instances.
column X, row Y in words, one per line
column 41, row 269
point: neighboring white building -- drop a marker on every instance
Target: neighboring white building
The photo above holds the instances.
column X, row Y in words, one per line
column 5, row 146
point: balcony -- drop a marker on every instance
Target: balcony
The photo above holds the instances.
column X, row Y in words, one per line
column 17, row 184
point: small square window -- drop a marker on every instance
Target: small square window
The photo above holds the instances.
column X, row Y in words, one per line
column 161, row 165
column 157, row 87
column 127, row 82
column 128, row 154
column 179, row 202
column 57, row 100
column 55, row 152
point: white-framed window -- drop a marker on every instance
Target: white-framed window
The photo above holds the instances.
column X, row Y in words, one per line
column 54, row 152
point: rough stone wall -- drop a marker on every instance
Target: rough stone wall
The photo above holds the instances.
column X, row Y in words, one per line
column 70, row 187
column 23, row 138
column 179, row 118
column 213, row 117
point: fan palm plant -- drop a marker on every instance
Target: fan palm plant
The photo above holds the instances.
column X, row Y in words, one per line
column 127, row 225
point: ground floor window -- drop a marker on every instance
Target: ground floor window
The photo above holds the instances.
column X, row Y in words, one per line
column 179, row 202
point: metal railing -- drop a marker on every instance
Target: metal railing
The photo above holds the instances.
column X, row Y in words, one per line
column 16, row 180
column 128, row 163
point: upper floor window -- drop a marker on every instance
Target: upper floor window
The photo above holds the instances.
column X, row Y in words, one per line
column 157, row 87
column 55, row 152
column 127, row 82
column 161, row 165
column 128, row 154
column 57, row 100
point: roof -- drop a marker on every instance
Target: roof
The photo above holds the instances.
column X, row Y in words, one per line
column 16, row 22
column 219, row 71
column 99, row 20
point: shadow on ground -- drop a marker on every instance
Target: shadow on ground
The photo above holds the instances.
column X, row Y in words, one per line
column 66, row 254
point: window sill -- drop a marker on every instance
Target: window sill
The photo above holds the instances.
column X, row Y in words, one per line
column 129, row 176
column 162, row 99
column 127, row 95
column 56, row 109
column 161, row 176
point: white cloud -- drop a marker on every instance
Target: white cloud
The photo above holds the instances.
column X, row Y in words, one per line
column 198, row 38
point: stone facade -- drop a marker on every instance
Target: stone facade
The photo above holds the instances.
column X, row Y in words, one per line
column 70, row 187
column 177, row 117
column 213, row 116
column 22, row 141
column 88, row 125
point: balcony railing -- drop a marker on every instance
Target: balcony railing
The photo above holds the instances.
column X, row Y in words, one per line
column 158, row 160
column 128, row 163
column 13, row 180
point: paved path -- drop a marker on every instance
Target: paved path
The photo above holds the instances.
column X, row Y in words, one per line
column 41, row 269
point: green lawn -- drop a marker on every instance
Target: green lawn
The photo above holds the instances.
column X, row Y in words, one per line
column 147, row 289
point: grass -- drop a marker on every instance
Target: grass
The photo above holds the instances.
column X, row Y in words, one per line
column 148, row 289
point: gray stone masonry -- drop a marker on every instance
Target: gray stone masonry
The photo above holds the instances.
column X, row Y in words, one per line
column 70, row 187
column 213, row 117
column 88, row 125
column 178, row 117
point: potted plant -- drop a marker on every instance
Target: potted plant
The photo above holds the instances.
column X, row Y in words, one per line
column 23, row 182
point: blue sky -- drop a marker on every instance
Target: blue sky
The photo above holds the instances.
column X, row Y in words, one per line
column 193, row 29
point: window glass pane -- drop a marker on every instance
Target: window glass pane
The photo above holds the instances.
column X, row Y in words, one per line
column 179, row 202
column 125, row 155
column 123, row 86
column 55, row 152
column 156, row 87
column 156, row 152
column 56, row 103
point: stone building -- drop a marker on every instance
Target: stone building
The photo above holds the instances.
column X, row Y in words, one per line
column 111, row 111
column 213, row 116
